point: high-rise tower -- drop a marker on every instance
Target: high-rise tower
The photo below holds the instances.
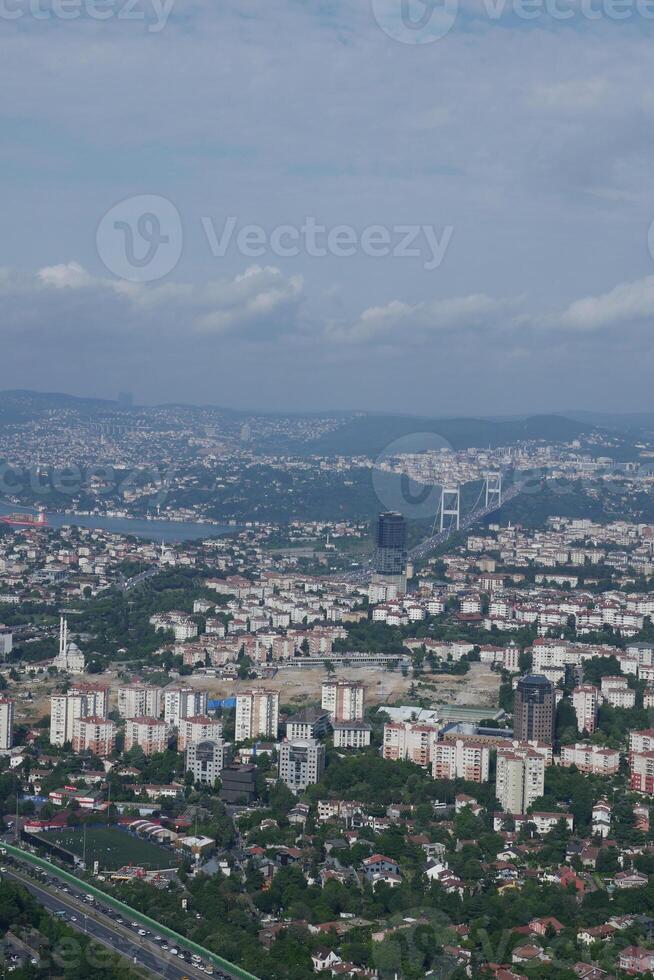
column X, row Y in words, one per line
column 534, row 709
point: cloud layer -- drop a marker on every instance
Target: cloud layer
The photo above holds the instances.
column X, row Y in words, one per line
column 533, row 140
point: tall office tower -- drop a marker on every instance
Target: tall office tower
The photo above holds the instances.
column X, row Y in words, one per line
column 390, row 561
column 257, row 714
column 534, row 708
column 343, row 700
column 520, row 778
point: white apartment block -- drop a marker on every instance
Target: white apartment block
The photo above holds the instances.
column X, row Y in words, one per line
column 520, row 779
column 596, row 759
column 351, row 734
column 83, row 701
column 139, row 701
column 586, row 701
column 207, row 759
column 343, row 700
column 6, row 723
column 182, row 626
column 620, row 697
column 257, row 714
column 198, row 729
column 183, row 702
column 6, row 641
column 410, row 740
column 150, row 734
column 461, row 759
column 96, row 735
column 601, row 820
column 642, row 741
column 301, row 763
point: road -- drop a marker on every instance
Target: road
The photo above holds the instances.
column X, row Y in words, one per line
column 142, row 951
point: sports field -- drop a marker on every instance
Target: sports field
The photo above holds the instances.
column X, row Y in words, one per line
column 112, row 848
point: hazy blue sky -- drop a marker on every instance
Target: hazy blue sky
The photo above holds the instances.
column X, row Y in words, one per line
column 524, row 145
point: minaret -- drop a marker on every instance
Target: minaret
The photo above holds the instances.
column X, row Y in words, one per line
column 63, row 636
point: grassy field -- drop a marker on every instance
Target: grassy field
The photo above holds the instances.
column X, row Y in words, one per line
column 112, row 848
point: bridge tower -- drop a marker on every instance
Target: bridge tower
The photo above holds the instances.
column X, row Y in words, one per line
column 493, row 489
column 451, row 507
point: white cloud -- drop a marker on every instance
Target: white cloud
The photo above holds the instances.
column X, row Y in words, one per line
column 628, row 303
column 69, row 275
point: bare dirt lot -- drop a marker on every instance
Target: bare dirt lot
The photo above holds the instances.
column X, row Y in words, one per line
column 479, row 687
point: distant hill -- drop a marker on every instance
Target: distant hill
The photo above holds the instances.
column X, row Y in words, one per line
column 370, row 434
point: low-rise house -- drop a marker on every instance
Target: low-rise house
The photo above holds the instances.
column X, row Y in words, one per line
column 595, row 934
column 379, row 864
column 324, row 959
column 636, row 959
column 630, row 879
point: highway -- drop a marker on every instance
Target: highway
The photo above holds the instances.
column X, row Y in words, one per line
column 107, row 927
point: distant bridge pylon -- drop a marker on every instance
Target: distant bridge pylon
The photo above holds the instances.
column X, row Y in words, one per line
column 494, row 489
column 450, row 507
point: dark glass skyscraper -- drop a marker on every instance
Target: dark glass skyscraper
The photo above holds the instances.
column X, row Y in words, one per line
column 390, row 545
column 534, row 709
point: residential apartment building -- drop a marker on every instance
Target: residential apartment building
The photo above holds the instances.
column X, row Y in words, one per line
column 616, row 692
column 207, row 759
column 183, row 702
column 6, row 641
column 257, row 714
column 410, row 740
column 139, row 701
column 596, row 759
column 343, row 700
column 197, row 729
column 95, row 735
column 150, row 734
column 6, row 723
column 641, row 772
column 461, row 759
column 301, row 763
column 351, row 734
column 586, row 701
column 81, row 701
column 520, row 779
column 309, row 723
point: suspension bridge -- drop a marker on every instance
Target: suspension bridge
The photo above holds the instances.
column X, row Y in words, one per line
column 448, row 519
